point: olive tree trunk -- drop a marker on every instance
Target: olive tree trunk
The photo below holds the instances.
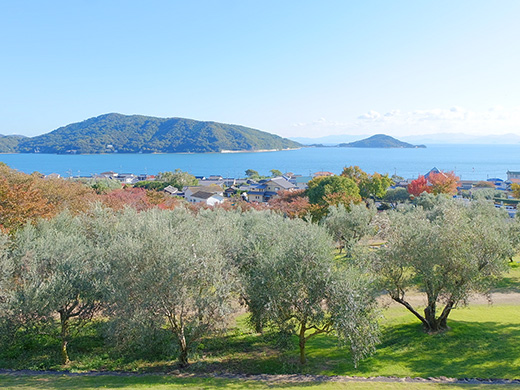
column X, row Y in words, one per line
column 302, row 342
column 64, row 335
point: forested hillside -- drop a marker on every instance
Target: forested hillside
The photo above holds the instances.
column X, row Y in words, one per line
column 143, row 134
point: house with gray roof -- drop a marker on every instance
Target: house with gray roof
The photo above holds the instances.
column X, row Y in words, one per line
column 208, row 198
column 268, row 189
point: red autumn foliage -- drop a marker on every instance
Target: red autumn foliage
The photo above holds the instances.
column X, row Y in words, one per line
column 418, row 186
column 130, row 197
column 437, row 183
column 294, row 204
column 139, row 199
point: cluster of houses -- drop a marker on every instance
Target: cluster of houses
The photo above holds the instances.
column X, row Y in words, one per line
column 215, row 189
column 469, row 185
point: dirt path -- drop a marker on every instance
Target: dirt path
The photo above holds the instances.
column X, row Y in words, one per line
column 292, row 378
column 498, row 298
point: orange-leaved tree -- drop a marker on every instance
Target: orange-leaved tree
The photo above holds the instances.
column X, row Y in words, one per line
column 516, row 190
column 444, row 182
column 19, row 203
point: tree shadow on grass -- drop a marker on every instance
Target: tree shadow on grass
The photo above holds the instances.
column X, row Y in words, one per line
column 246, row 353
column 507, row 285
column 467, row 350
column 509, row 282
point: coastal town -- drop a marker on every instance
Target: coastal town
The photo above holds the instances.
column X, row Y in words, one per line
column 216, row 189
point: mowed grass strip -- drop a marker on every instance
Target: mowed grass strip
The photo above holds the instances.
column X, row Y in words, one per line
column 172, row 383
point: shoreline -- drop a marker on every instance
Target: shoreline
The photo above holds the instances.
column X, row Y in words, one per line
column 224, row 151
column 151, row 153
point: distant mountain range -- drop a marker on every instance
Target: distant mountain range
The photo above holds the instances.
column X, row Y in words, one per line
column 111, row 133
column 439, row 138
column 379, row 141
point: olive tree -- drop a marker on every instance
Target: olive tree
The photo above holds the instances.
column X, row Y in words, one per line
column 57, row 270
column 5, row 270
column 449, row 252
column 170, row 271
column 347, row 227
column 292, row 283
column 6, row 279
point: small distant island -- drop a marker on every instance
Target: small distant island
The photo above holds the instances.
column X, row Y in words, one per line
column 379, row 141
column 117, row 133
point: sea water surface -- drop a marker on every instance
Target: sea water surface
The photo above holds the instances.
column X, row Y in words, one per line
column 469, row 162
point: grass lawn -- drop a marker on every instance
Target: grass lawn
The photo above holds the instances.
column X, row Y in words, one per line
column 511, row 280
column 172, row 383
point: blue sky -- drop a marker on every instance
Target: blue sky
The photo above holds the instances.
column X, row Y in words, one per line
column 294, row 68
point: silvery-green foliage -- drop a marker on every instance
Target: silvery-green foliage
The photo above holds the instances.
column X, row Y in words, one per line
column 450, row 251
column 514, row 234
column 427, row 200
column 8, row 321
column 483, row 193
column 170, row 268
column 292, row 282
column 227, row 226
column 354, row 312
column 58, row 270
column 347, row 227
column 58, row 267
column 6, row 271
column 141, row 336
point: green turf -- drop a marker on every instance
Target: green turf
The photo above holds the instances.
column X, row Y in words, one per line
column 510, row 282
column 172, row 383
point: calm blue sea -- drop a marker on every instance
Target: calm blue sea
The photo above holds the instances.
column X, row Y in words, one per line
column 468, row 161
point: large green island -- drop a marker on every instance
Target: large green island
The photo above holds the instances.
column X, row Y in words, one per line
column 112, row 133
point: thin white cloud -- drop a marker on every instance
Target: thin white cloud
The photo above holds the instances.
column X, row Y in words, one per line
column 493, row 121
column 371, row 115
column 320, row 123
